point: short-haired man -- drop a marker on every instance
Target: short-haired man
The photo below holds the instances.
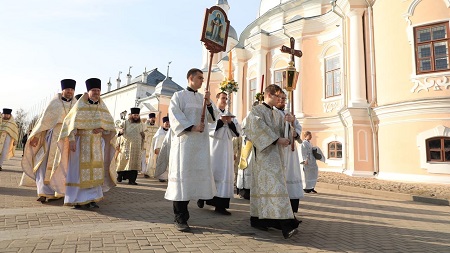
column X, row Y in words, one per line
column 9, row 136
column 87, row 130
column 269, row 203
column 190, row 174
column 291, row 159
column 222, row 156
column 42, row 155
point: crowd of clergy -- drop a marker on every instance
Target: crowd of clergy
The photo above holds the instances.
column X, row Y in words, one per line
column 76, row 151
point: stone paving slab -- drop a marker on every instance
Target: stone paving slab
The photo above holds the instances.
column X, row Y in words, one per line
column 139, row 219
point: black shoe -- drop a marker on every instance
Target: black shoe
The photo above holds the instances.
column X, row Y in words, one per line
column 290, row 233
column 93, row 205
column 307, row 190
column 263, row 228
column 222, row 211
column 119, row 179
column 133, row 183
column 162, row 180
column 41, row 199
column 313, row 191
column 0, row 168
column 182, row 227
column 146, row 176
column 200, row 203
column 77, row 206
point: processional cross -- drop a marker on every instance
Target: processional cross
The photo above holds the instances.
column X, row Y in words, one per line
column 290, row 76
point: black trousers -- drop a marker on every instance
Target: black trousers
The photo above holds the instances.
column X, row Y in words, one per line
column 131, row 175
column 222, row 203
column 285, row 225
column 180, row 209
column 294, row 204
column 244, row 193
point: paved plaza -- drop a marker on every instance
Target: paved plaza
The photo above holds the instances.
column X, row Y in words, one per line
column 139, row 219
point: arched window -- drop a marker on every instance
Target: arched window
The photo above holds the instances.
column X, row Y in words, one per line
column 438, row 149
column 334, row 149
column 332, row 77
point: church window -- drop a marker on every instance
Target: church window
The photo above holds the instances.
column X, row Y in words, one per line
column 252, row 85
column 431, row 46
column 278, row 77
column 438, row 149
column 332, row 77
column 334, row 149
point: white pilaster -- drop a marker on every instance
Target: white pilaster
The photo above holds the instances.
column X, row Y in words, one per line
column 237, row 101
column 357, row 64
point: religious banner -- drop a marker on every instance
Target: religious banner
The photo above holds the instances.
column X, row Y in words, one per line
column 214, row 36
column 215, row 29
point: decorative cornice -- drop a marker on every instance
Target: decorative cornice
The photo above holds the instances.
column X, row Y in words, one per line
column 434, row 82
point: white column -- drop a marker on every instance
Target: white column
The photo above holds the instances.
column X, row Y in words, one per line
column 236, row 102
column 261, row 70
column 357, row 64
column 298, row 95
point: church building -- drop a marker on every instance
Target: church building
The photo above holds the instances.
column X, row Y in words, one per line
column 373, row 86
column 151, row 91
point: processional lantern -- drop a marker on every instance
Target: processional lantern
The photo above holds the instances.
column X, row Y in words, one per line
column 290, row 77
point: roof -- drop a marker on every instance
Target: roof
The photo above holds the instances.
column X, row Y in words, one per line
column 167, row 87
column 153, row 78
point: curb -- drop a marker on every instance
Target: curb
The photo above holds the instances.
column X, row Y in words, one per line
column 387, row 194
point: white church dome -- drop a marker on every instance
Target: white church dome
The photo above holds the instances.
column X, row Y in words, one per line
column 266, row 5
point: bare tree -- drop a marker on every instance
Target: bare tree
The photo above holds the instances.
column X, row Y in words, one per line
column 21, row 122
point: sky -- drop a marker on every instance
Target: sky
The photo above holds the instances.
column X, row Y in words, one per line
column 44, row 41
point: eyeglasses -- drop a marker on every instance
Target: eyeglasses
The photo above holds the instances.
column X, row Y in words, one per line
column 278, row 96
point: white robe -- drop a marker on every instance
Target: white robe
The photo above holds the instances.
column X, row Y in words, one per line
column 292, row 163
column 157, row 142
column 244, row 176
column 190, row 174
column 5, row 151
column 222, row 157
column 162, row 162
column 311, row 170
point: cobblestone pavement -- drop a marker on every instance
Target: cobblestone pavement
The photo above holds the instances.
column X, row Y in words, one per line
column 139, row 219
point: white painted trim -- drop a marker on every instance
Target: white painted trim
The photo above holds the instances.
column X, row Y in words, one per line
column 432, row 167
column 414, row 178
column 335, row 162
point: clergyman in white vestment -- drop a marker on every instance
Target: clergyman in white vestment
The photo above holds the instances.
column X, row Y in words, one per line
column 190, row 174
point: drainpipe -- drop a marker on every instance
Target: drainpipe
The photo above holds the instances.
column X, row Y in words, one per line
column 344, row 57
column 373, row 101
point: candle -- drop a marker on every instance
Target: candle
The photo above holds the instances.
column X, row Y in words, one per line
column 230, row 66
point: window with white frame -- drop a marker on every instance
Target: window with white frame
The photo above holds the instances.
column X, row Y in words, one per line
column 278, row 77
column 431, row 47
column 334, row 149
column 332, row 77
column 438, row 149
column 252, row 85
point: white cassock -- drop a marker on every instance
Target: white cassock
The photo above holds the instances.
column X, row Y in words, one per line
column 311, row 170
column 157, row 142
column 5, row 149
column 162, row 162
column 244, row 176
column 292, row 162
column 222, row 156
column 190, row 174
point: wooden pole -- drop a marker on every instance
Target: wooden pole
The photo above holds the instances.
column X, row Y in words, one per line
column 211, row 55
column 293, row 126
column 262, row 84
